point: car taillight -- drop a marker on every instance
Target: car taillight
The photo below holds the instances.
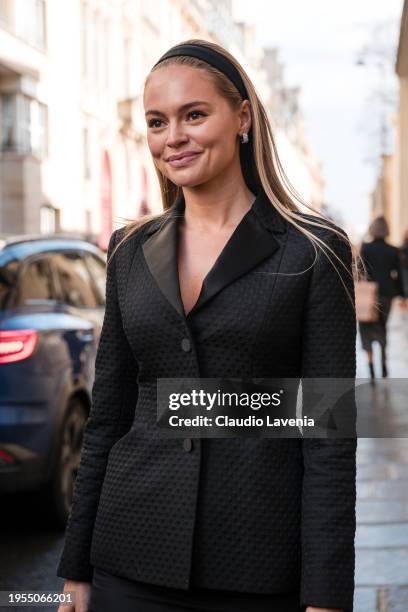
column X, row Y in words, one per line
column 6, row 458
column 17, row 344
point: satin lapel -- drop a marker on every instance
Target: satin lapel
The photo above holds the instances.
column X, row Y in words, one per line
column 252, row 241
column 160, row 253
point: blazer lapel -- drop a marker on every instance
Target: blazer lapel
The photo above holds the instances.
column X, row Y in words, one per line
column 252, row 241
column 160, row 253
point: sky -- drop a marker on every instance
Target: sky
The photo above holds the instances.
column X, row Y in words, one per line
column 319, row 43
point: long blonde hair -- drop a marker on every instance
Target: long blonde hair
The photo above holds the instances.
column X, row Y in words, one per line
column 259, row 158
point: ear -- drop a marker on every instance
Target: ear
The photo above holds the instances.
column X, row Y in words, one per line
column 245, row 119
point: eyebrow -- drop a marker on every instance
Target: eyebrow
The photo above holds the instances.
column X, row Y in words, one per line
column 181, row 109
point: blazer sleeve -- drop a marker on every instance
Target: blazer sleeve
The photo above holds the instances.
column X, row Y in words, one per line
column 329, row 480
column 113, row 400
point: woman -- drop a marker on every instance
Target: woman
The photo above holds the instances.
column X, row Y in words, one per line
column 230, row 281
column 382, row 263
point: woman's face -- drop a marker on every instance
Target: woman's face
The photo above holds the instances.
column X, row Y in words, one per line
column 187, row 118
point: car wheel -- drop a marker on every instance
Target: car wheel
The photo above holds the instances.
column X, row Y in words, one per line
column 67, row 460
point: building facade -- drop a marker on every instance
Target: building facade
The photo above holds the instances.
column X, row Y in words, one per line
column 74, row 155
column 304, row 170
column 399, row 212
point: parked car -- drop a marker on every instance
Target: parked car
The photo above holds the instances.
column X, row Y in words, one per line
column 52, row 299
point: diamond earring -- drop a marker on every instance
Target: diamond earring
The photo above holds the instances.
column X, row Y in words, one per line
column 244, row 138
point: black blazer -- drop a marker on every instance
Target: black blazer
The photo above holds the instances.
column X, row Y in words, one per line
column 383, row 266
column 255, row 515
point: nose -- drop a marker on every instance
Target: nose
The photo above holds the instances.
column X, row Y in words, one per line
column 175, row 134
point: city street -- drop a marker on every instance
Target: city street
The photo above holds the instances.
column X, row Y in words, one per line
column 382, row 497
column 30, row 549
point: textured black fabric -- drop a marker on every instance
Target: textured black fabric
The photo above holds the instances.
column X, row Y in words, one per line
column 110, row 593
column 247, row 515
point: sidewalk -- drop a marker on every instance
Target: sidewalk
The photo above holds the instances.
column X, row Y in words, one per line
column 382, row 496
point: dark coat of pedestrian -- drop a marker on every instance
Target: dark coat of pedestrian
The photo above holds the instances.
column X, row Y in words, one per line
column 382, row 261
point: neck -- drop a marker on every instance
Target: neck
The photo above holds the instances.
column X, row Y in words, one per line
column 218, row 204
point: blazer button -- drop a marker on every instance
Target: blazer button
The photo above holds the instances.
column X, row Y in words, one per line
column 186, row 345
column 187, row 444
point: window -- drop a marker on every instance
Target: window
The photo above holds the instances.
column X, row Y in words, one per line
column 39, row 128
column 35, row 283
column 97, row 268
column 94, row 50
column 30, row 22
column 8, row 279
column 74, row 280
column 24, row 125
column 128, row 164
column 106, row 54
column 23, row 114
column 127, row 66
column 99, row 56
column 8, row 123
column 95, row 32
column 47, row 219
column 41, row 28
column 26, row 19
column 88, row 222
column 86, row 153
column 84, row 39
column 7, row 13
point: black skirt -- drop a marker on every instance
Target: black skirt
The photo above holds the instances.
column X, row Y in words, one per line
column 376, row 332
column 111, row 593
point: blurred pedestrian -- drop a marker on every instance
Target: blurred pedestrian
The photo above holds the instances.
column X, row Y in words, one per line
column 404, row 267
column 382, row 261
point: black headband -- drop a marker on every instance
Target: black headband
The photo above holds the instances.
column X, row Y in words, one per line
column 207, row 54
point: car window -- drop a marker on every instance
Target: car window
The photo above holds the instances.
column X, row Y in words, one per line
column 34, row 283
column 8, row 280
column 74, row 280
column 97, row 268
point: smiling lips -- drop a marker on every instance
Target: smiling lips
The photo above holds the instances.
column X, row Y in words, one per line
column 182, row 159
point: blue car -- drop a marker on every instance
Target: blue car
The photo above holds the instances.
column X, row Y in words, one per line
column 52, row 300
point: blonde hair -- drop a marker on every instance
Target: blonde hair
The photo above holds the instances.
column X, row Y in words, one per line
column 259, row 158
